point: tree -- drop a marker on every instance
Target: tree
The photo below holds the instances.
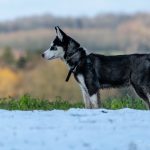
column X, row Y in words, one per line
column 8, row 55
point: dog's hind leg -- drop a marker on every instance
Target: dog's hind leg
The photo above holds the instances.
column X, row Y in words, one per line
column 144, row 94
column 148, row 96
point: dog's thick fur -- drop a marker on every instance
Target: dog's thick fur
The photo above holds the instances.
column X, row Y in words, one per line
column 94, row 72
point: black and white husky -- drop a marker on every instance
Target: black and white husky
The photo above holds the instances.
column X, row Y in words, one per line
column 94, row 72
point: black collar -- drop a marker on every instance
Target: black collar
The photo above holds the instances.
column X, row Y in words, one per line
column 69, row 74
column 72, row 70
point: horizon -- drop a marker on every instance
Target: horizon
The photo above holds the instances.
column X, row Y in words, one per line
column 74, row 17
column 27, row 8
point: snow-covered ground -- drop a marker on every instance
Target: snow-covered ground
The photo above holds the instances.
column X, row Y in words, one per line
column 75, row 129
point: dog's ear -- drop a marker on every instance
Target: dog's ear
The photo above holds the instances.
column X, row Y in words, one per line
column 60, row 33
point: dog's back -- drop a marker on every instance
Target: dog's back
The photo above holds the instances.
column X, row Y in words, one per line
column 116, row 71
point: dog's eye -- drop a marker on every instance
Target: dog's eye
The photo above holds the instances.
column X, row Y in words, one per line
column 53, row 48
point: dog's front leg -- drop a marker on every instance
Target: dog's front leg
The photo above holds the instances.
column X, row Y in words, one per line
column 86, row 98
column 90, row 101
column 95, row 100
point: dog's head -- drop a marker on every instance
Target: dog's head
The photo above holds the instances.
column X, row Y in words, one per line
column 61, row 45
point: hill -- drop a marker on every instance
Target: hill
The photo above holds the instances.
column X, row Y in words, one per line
column 111, row 21
column 102, row 33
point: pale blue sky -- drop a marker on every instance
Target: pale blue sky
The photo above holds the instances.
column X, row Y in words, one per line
column 10, row 9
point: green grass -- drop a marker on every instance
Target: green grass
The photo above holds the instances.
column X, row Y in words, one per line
column 26, row 102
column 125, row 102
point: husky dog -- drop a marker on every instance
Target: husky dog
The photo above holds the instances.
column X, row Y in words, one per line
column 94, row 71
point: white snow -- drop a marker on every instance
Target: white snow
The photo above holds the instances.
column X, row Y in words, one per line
column 75, row 129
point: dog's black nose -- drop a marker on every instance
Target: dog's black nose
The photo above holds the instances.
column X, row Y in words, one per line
column 43, row 55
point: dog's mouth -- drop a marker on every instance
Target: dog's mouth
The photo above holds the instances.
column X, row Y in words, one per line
column 51, row 58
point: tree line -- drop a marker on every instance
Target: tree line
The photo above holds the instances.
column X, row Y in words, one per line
column 111, row 21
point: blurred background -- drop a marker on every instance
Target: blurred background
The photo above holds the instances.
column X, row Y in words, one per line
column 27, row 27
